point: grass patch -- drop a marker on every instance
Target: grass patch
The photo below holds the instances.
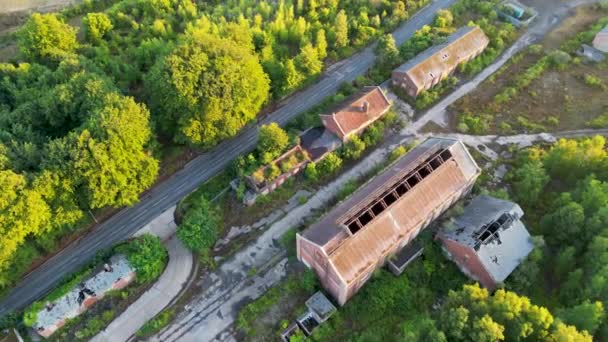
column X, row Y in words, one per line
column 156, row 324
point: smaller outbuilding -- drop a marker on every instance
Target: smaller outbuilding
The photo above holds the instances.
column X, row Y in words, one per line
column 356, row 113
column 600, row 41
column 488, row 241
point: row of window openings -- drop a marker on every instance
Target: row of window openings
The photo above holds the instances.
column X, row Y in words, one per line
column 365, row 216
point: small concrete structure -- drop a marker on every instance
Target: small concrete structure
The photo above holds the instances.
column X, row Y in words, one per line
column 516, row 13
column 320, row 307
column 319, row 311
column 292, row 330
column 600, row 41
column 488, row 241
column 112, row 276
column 590, row 53
column 398, row 262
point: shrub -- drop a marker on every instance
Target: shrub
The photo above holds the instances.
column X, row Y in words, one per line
column 396, row 153
column 594, row 81
column 330, row 164
column 156, row 324
column 311, row 172
column 272, row 172
column 353, row 149
column 475, row 124
column 200, row 225
column 147, row 255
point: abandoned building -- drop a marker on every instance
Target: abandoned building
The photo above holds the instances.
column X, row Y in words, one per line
column 379, row 219
column 600, row 41
column 113, row 276
column 289, row 164
column 516, row 13
column 356, row 112
column 348, row 118
column 488, row 241
column 437, row 62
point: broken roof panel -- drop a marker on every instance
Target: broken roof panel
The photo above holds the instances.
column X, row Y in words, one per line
column 492, row 227
column 77, row 300
column 356, row 112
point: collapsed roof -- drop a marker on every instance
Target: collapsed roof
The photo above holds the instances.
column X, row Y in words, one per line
column 493, row 229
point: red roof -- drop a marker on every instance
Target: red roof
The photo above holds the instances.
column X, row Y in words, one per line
column 357, row 112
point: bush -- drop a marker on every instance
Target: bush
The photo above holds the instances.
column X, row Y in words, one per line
column 475, row 124
column 199, row 228
column 353, row 149
column 329, row 165
column 156, row 324
column 396, row 153
column 594, row 81
column 311, row 172
column 147, row 255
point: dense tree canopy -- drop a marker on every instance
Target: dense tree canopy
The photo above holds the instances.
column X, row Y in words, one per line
column 45, row 37
column 200, row 225
column 69, row 142
column 207, row 89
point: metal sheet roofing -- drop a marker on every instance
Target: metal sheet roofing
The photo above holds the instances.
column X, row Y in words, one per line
column 352, row 253
column 501, row 253
column 437, row 59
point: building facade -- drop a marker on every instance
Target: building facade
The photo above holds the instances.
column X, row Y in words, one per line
column 488, row 241
column 436, row 63
column 357, row 236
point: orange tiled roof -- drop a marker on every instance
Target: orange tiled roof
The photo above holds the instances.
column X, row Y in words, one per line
column 357, row 112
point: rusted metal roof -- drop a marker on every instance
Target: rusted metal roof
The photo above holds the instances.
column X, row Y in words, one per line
column 351, row 254
column 438, row 59
column 356, row 112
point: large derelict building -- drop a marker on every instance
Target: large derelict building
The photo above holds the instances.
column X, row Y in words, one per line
column 379, row 219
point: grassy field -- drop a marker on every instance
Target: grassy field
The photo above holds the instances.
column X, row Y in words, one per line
column 558, row 99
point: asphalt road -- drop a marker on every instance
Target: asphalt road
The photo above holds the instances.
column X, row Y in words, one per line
column 166, row 194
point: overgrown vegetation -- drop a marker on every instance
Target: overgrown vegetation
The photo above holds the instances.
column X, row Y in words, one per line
column 543, row 88
column 156, row 324
column 72, row 136
column 146, row 255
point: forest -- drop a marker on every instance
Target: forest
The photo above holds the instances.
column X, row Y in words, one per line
column 99, row 91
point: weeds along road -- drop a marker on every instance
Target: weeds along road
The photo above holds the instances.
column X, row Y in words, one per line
column 166, row 194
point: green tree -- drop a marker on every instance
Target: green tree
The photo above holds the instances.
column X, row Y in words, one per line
column 311, row 172
column 200, row 225
column 585, row 316
column 321, row 44
column 387, row 50
column 486, row 330
column 528, row 182
column 353, row 149
column 341, row 30
column 565, row 222
column 110, row 153
column 308, row 60
column 96, row 25
column 272, row 142
column 329, row 165
column 147, row 255
column 293, row 78
column 45, row 37
column 207, row 89
column 444, row 18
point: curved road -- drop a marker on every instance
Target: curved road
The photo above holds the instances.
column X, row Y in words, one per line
column 128, row 221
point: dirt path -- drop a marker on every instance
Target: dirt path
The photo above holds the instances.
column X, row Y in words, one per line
column 12, row 6
column 541, row 26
